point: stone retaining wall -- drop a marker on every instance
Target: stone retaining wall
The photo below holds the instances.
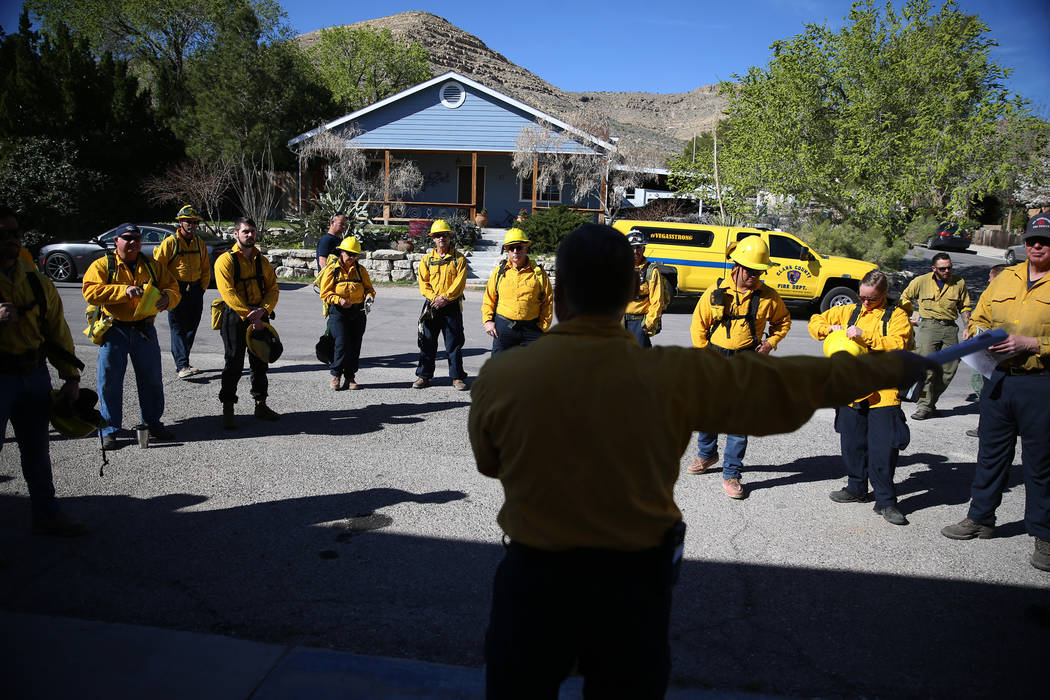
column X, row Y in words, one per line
column 382, row 265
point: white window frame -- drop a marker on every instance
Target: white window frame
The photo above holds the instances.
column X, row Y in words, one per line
column 525, row 193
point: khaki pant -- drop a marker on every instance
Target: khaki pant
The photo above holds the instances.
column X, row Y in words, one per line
column 930, row 337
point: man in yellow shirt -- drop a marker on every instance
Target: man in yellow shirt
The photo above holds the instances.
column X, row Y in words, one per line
column 643, row 315
column 33, row 331
column 938, row 298
column 118, row 283
column 518, row 307
column 871, row 429
column 1015, row 399
column 442, row 278
column 731, row 318
column 186, row 257
column 247, row 284
column 595, row 535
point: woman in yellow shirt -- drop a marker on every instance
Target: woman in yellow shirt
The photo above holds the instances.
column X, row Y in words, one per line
column 348, row 292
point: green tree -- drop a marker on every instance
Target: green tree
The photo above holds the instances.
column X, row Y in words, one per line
column 701, row 171
column 244, row 95
column 891, row 114
column 158, row 36
column 76, row 134
column 362, row 66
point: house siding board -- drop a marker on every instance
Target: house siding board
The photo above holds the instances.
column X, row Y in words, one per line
column 421, row 122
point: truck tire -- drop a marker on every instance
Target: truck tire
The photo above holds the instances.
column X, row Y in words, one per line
column 838, row 296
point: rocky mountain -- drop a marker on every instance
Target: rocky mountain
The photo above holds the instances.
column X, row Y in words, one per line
column 657, row 122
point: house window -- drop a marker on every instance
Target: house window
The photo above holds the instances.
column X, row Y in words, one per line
column 452, row 94
column 550, row 195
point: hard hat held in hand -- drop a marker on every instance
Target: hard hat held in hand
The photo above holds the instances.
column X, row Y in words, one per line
column 78, row 419
column 837, row 341
column 752, row 253
column 350, row 245
column 515, row 235
column 264, row 344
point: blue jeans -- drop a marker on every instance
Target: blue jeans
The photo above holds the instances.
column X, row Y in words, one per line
column 448, row 321
column 347, row 326
column 25, row 400
column 1013, row 406
column 736, row 446
column 635, row 326
column 183, row 321
column 511, row 334
column 871, row 440
column 141, row 343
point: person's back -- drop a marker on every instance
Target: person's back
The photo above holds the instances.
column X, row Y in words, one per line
column 585, row 431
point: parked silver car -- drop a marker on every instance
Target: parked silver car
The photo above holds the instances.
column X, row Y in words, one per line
column 1015, row 254
column 65, row 262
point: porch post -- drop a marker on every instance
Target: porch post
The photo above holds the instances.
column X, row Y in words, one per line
column 386, row 188
column 535, row 179
column 473, row 185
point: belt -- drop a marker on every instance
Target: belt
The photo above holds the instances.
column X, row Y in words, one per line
column 186, row 286
column 726, row 352
column 940, row 321
column 1022, row 372
column 634, row 317
column 514, row 322
column 140, row 324
column 22, row 363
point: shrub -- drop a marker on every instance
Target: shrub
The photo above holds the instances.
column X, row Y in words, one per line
column 871, row 243
column 547, row 227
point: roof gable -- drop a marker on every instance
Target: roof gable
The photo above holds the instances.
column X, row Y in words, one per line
column 417, row 119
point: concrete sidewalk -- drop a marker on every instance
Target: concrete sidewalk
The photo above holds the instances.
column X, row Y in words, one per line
column 47, row 657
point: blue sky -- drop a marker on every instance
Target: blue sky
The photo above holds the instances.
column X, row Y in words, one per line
column 667, row 46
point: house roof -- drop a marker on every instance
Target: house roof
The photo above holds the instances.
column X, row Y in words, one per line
column 452, row 75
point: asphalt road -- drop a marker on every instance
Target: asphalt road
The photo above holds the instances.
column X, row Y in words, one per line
column 358, row 522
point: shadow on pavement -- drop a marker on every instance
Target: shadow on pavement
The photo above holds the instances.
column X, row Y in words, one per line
column 330, row 571
column 349, row 421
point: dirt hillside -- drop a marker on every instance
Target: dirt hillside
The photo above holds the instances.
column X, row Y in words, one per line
column 656, row 121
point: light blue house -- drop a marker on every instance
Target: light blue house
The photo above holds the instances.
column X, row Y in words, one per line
column 462, row 136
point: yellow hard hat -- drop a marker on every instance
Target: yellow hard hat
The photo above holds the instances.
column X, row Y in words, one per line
column 188, row 213
column 350, row 245
column 264, row 344
column 837, row 341
column 515, row 235
column 439, row 226
column 79, row 419
column 752, row 253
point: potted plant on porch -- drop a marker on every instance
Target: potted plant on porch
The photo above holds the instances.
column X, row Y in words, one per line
column 482, row 218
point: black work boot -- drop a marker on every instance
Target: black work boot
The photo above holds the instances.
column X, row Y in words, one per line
column 264, row 412
column 228, row 421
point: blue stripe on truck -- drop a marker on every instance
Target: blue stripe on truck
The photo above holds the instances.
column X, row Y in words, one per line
column 692, row 263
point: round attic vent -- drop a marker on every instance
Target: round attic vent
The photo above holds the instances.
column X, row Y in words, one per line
column 452, row 94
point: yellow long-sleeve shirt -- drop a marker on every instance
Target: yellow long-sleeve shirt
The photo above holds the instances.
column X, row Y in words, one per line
column 442, row 275
column 652, row 296
column 249, row 292
column 186, row 260
column 898, row 334
column 340, row 281
column 24, row 335
column 1009, row 304
column 113, row 297
column 524, row 294
column 582, row 481
column 942, row 303
column 771, row 311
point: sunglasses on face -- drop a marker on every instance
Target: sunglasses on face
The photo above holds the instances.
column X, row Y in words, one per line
column 943, row 269
column 751, row 273
column 441, row 235
column 1045, row 242
column 872, row 299
column 130, row 239
column 516, row 247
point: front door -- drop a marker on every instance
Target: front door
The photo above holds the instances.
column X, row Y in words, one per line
column 464, row 186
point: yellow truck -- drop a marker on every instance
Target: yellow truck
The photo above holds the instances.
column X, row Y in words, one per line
column 692, row 257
